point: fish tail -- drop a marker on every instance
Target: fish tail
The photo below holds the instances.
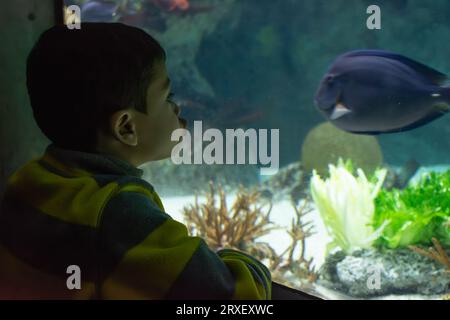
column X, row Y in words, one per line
column 446, row 93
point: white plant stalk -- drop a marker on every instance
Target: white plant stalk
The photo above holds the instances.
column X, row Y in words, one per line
column 346, row 205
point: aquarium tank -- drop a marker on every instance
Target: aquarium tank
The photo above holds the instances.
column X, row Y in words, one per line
column 340, row 183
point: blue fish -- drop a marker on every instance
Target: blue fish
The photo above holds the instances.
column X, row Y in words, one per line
column 376, row 91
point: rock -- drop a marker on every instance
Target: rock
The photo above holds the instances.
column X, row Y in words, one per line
column 183, row 37
column 370, row 272
column 289, row 182
column 170, row 179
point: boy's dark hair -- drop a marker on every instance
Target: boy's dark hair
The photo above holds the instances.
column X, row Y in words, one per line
column 77, row 78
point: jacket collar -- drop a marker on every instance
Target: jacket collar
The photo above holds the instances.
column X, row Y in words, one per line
column 93, row 162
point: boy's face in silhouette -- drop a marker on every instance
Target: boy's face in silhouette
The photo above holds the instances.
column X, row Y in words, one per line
column 138, row 137
column 155, row 128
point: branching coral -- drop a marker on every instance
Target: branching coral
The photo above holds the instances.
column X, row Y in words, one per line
column 300, row 267
column 437, row 253
column 248, row 220
column 242, row 224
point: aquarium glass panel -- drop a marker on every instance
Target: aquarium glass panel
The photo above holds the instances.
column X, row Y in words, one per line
column 319, row 136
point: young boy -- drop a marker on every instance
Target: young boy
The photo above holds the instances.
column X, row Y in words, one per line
column 82, row 212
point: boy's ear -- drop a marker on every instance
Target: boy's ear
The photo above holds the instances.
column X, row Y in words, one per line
column 124, row 127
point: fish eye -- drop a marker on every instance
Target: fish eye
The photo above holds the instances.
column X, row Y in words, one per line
column 329, row 79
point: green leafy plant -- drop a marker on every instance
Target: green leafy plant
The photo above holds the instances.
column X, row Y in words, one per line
column 346, row 205
column 416, row 214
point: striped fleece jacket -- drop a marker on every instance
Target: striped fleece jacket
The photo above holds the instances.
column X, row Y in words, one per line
column 96, row 212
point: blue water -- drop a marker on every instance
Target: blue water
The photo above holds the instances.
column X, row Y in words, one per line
column 257, row 63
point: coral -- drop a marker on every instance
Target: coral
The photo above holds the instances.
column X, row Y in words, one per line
column 346, row 205
column 325, row 144
column 241, row 227
column 285, row 267
column 437, row 253
column 243, row 223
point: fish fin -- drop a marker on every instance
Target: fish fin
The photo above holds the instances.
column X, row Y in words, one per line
column 435, row 114
column 445, row 93
column 339, row 111
column 435, row 76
